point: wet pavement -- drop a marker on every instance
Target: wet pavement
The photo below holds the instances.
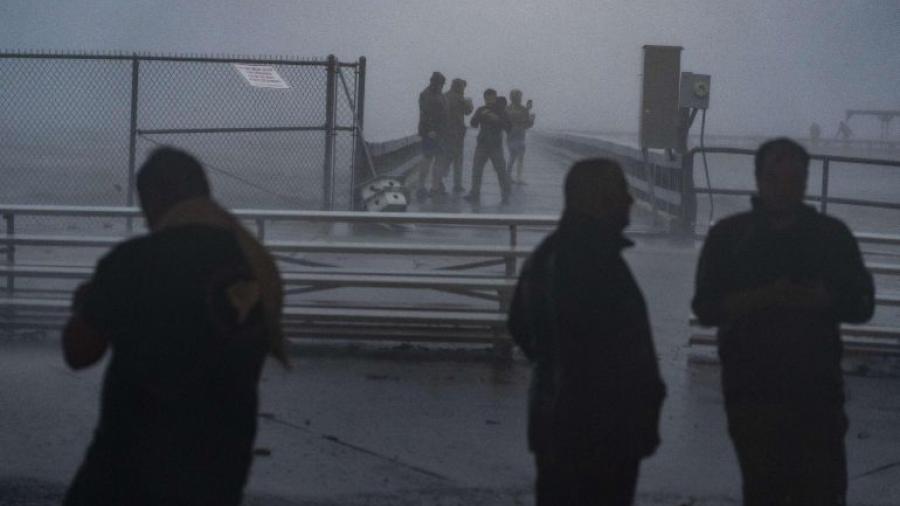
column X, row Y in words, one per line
column 362, row 424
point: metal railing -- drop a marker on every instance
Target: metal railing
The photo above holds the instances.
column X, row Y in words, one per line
column 823, row 199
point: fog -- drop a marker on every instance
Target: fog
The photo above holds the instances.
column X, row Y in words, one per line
column 776, row 66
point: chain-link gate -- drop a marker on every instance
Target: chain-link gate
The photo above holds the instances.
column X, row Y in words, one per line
column 74, row 127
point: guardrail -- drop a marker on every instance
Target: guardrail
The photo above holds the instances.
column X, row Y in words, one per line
column 858, row 339
column 470, row 272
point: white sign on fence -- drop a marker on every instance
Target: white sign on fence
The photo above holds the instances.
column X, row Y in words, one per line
column 261, row 76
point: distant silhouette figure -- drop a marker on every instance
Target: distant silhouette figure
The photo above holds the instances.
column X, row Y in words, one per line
column 815, row 134
column 492, row 122
column 521, row 119
column 777, row 281
column 458, row 107
column 189, row 312
column 433, row 123
column 580, row 318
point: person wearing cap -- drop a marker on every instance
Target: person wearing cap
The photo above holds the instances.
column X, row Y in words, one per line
column 433, row 123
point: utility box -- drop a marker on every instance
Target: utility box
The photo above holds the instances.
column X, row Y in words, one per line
column 660, row 120
column 694, row 91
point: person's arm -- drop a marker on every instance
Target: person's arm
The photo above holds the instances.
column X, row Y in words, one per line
column 709, row 288
column 83, row 345
column 851, row 283
column 476, row 118
column 519, row 321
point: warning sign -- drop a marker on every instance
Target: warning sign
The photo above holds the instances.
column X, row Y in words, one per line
column 261, row 76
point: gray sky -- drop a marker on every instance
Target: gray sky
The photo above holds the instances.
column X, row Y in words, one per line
column 776, row 66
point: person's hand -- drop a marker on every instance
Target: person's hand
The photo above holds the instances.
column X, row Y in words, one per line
column 491, row 116
column 791, row 295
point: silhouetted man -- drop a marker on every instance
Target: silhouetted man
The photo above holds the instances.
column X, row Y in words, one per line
column 520, row 119
column 433, row 131
column 492, row 122
column 580, row 318
column 777, row 281
column 458, row 107
column 188, row 312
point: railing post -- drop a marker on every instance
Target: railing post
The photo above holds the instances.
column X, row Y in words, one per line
column 688, row 211
column 330, row 111
column 132, row 143
column 360, row 159
column 824, row 203
column 10, row 219
column 511, row 259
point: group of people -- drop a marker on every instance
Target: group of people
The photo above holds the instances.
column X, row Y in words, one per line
column 442, row 127
column 777, row 281
column 190, row 310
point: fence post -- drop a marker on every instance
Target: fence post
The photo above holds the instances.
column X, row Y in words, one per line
column 10, row 219
column 688, row 196
column 824, row 205
column 359, row 157
column 328, row 166
column 135, row 71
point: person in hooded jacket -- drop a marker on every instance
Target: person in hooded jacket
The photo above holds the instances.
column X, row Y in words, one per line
column 458, row 107
column 433, row 124
column 580, row 318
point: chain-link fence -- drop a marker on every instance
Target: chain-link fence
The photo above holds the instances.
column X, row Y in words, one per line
column 273, row 133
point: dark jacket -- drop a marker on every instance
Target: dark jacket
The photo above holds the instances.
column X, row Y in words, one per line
column 581, row 319
column 491, row 124
column 432, row 113
column 457, row 110
column 779, row 354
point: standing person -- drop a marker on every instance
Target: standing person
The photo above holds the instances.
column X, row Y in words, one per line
column 777, row 281
column 491, row 121
column 521, row 119
column 188, row 313
column 458, row 107
column 433, row 131
column 580, row 318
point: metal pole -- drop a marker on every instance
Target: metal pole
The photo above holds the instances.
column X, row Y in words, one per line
column 328, row 166
column 360, row 157
column 688, row 195
column 824, row 204
column 10, row 251
column 135, row 72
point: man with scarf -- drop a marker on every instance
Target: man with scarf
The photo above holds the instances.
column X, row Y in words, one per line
column 580, row 318
column 458, row 107
column 777, row 281
column 188, row 312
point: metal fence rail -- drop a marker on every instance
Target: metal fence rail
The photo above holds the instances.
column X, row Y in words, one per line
column 74, row 127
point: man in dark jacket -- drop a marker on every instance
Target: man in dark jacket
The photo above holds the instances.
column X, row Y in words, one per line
column 777, row 281
column 492, row 122
column 580, row 318
column 458, row 107
column 433, row 123
column 188, row 313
